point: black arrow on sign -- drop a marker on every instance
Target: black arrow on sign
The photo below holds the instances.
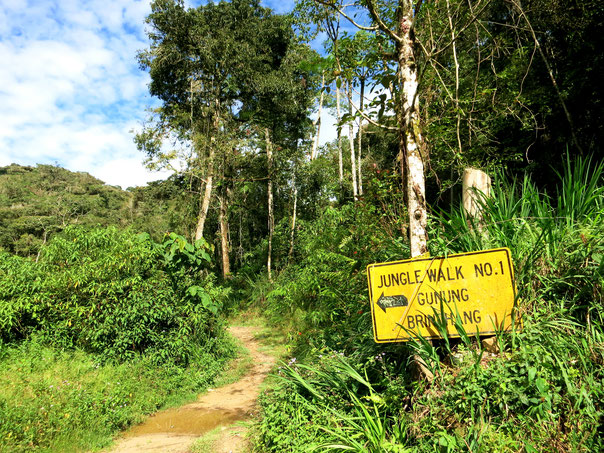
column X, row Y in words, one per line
column 385, row 302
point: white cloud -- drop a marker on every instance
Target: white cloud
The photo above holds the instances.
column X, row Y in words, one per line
column 70, row 86
column 71, row 89
column 127, row 173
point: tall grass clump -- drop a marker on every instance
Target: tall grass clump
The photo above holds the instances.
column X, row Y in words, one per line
column 556, row 240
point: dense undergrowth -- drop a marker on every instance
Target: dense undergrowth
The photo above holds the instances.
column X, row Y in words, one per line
column 105, row 327
column 538, row 388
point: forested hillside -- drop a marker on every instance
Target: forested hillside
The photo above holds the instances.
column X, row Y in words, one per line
column 37, row 202
column 261, row 217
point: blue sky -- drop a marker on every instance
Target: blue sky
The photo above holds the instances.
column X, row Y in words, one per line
column 71, row 90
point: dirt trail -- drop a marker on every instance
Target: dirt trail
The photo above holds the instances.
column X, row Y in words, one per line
column 174, row 430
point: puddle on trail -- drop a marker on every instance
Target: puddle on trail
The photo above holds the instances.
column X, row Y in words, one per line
column 186, row 421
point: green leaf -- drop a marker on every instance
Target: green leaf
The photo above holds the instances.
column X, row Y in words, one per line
column 531, row 373
column 541, row 385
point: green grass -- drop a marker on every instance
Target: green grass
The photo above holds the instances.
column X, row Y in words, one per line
column 59, row 401
column 206, row 443
column 274, row 338
column 238, row 367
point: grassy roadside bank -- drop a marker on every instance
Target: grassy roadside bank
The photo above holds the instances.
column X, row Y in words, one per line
column 58, row 401
column 105, row 327
column 540, row 389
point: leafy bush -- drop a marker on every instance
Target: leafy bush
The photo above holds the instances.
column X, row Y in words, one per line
column 113, row 293
column 99, row 332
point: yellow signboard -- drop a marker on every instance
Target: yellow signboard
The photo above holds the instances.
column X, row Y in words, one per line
column 476, row 289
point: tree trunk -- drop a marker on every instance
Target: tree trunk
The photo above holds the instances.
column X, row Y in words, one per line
column 340, row 161
column 224, row 237
column 410, row 136
column 43, row 244
column 359, row 140
column 410, row 144
column 355, row 191
column 207, row 196
column 317, row 122
column 240, row 250
column 271, row 217
column 290, row 255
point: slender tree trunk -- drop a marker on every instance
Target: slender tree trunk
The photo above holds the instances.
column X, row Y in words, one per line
column 317, row 122
column 240, row 251
column 43, row 244
column 410, row 136
column 359, row 140
column 271, row 217
column 223, row 218
column 355, row 186
column 340, row 161
column 290, row 255
column 207, row 196
column 550, row 72
column 456, row 61
column 224, row 237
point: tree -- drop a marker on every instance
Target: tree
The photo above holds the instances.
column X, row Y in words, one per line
column 213, row 67
column 398, row 28
column 309, row 13
column 356, row 61
column 500, row 84
column 276, row 103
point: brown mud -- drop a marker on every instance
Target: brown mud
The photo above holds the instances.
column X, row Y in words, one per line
column 174, row 430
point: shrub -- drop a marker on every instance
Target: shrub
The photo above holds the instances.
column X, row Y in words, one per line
column 113, row 293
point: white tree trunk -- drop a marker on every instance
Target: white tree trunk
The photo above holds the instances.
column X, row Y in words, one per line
column 410, row 131
column 360, row 134
column 340, row 161
column 317, row 122
column 359, row 166
column 271, row 218
column 207, row 196
column 293, row 228
column 355, row 191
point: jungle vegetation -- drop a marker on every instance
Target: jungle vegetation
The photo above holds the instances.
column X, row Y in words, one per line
column 98, row 284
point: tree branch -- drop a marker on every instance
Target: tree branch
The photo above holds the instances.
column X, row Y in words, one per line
column 346, row 16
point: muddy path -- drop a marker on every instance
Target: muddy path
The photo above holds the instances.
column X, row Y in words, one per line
column 174, row 430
